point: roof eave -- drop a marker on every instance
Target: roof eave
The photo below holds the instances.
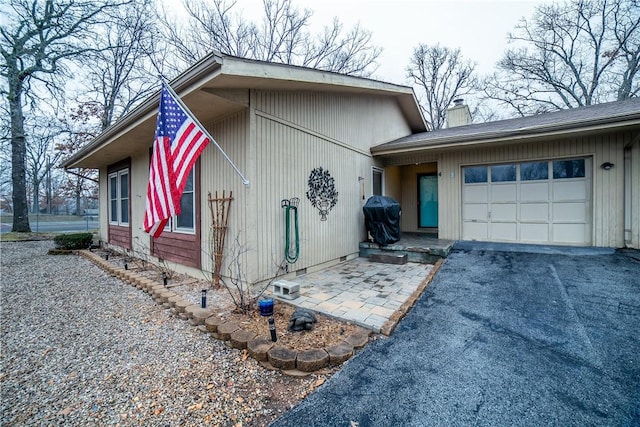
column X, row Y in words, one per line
column 505, row 136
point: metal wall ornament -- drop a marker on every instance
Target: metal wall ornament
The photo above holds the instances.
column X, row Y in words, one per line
column 322, row 191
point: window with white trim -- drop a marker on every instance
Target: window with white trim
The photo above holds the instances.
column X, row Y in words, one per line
column 377, row 181
column 185, row 222
column 119, row 197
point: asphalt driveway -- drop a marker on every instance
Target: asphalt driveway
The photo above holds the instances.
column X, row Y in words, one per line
column 502, row 336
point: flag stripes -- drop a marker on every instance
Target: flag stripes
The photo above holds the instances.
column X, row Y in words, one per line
column 178, row 143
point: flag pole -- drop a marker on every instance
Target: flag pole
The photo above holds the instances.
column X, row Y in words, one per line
column 186, row 109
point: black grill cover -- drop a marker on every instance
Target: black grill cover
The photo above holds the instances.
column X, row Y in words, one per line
column 382, row 219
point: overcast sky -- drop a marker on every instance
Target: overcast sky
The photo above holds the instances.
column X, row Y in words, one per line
column 478, row 27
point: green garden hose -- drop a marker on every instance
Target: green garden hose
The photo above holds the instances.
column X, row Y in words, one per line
column 291, row 209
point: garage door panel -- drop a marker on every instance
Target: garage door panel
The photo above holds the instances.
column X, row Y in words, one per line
column 569, row 190
column 476, row 193
column 504, row 212
column 475, row 211
column 538, row 233
column 534, row 212
column 537, row 208
column 569, row 212
column 475, row 230
column 503, row 192
column 569, row 233
column 504, row 231
column 534, row 191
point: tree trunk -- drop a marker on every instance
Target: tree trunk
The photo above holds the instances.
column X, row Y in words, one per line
column 78, row 195
column 35, row 205
column 18, row 156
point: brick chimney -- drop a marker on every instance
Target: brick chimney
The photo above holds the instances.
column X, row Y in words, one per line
column 458, row 114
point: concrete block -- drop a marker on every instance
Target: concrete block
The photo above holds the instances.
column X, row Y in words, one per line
column 286, row 289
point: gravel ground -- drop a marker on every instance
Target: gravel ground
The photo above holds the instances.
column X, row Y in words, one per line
column 82, row 348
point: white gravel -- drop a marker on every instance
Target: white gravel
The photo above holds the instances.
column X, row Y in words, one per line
column 82, row 348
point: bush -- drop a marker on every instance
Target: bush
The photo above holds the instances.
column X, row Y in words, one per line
column 73, row 241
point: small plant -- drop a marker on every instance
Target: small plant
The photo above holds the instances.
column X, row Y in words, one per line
column 242, row 294
column 73, row 241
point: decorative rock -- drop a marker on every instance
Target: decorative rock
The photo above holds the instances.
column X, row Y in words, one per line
column 173, row 300
column 258, row 348
column 182, row 305
column 358, row 340
column 339, row 353
column 240, row 338
column 157, row 289
column 190, row 309
column 302, row 319
column 296, row 373
column 164, row 296
column 312, row 360
column 200, row 315
column 213, row 322
column 282, row 357
column 226, row 329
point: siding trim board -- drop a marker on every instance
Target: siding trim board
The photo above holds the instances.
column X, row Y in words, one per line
column 310, row 132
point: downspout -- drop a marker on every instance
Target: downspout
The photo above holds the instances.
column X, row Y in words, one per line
column 627, row 196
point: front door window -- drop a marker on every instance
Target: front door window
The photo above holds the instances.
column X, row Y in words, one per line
column 427, row 201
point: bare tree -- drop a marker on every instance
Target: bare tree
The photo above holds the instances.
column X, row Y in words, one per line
column 577, row 53
column 119, row 74
column 441, row 75
column 281, row 36
column 41, row 159
column 81, row 125
column 39, row 40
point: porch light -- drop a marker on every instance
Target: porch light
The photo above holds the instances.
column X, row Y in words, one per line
column 607, row 166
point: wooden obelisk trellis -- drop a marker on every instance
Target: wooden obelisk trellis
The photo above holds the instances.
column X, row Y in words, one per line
column 219, row 207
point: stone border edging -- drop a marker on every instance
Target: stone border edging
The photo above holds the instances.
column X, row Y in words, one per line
column 268, row 354
column 396, row 317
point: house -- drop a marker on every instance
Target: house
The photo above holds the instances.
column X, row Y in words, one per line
column 565, row 178
column 293, row 132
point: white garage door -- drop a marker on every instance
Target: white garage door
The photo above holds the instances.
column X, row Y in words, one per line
column 532, row 202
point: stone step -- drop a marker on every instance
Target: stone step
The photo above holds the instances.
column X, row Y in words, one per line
column 389, row 258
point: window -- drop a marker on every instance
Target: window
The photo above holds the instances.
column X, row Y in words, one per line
column 568, row 169
column 503, row 173
column 119, row 197
column 185, row 222
column 534, row 171
column 475, row 174
column 377, row 179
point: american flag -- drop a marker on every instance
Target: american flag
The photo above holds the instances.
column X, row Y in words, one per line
column 178, row 142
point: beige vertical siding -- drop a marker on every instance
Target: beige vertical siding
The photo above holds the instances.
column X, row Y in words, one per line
column 216, row 174
column 608, row 186
column 140, row 241
column 287, row 157
column 104, row 204
column 296, row 132
column 635, row 195
column 359, row 121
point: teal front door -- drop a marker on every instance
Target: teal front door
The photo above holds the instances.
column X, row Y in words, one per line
column 427, row 201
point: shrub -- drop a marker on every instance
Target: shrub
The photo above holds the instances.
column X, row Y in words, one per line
column 73, row 241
